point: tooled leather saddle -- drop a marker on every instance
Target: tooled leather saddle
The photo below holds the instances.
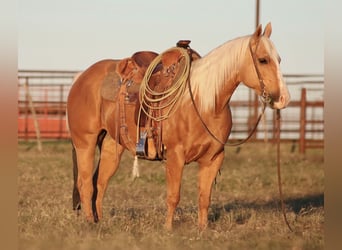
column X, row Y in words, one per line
column 131, row 72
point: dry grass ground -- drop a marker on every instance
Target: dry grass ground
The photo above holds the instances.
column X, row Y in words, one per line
column 245, row 211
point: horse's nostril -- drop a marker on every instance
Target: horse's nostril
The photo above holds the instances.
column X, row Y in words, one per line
column 283, row 101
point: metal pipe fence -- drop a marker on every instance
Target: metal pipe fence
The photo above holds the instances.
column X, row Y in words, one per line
column 302, row 121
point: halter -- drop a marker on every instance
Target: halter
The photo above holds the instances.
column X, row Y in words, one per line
column 265, row 97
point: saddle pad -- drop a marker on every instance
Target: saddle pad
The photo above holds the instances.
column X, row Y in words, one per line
column 111, row 86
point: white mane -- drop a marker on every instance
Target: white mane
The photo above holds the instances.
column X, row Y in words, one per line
column 211, row 72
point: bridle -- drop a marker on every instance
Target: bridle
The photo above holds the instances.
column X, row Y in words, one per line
column 265, row 98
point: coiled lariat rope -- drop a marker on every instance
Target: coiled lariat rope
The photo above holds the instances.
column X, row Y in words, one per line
column 149, row 97
column 151, row 101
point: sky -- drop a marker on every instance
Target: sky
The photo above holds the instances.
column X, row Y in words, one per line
column 74, row 34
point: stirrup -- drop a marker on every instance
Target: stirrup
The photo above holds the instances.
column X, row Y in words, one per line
column 145, row 147
column 140, row 147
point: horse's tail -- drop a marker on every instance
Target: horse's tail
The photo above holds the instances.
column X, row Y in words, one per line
column 76, row 200
column 99, row 142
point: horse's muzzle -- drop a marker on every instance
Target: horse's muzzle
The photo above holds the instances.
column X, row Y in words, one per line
column 282, row 102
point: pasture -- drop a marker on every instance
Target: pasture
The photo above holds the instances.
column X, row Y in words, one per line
column 244, row 212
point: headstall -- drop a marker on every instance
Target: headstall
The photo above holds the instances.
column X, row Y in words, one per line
column 265, row 97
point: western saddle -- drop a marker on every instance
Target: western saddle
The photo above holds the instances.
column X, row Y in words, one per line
column 157, row 74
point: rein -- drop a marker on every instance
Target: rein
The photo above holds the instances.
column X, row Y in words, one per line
column 214, row 136
column 278, row 171
column 266, row 99
column 252, row 131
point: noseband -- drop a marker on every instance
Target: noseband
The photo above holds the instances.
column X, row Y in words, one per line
column 265, row 97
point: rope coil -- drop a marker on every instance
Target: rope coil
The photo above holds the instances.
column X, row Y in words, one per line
column 151, row 100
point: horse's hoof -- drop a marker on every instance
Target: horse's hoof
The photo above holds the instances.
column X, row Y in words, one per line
column 202, row 227
column 168, row 227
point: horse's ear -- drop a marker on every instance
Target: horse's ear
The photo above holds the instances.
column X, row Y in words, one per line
column 256, row 35
column 268, row 30
column 257, row 32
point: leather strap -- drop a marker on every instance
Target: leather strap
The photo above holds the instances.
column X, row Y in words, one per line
column 124, row 138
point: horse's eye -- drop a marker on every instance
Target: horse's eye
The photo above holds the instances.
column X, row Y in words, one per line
column 263, row 60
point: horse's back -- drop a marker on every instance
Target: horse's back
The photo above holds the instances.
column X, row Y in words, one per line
column 91, row 79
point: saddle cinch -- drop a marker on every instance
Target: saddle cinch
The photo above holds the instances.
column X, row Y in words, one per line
column 149, row 76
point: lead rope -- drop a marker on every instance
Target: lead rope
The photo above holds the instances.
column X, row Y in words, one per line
column 252, row 131
column 278, row 170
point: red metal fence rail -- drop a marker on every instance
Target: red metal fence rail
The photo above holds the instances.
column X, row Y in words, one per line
column 49, row 91
column 309, row 125
column 302, row 121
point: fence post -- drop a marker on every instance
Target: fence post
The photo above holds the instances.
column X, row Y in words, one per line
column 33, row 112
column 302, row 121
column 60, row 111
column 26, row 109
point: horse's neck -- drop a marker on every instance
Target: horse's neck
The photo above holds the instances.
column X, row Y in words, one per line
column 215, row 76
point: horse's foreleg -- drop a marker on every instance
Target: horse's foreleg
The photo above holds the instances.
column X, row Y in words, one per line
column 85, row 161
column 174, row 170
column 110, row 157
column 206, row 177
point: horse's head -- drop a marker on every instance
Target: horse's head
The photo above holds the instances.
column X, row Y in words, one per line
column 261, row 70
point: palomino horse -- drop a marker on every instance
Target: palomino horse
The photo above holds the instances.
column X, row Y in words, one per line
column 94, row 120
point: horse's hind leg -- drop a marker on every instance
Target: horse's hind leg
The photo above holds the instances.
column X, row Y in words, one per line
column 110, row 157
column 85, row 160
